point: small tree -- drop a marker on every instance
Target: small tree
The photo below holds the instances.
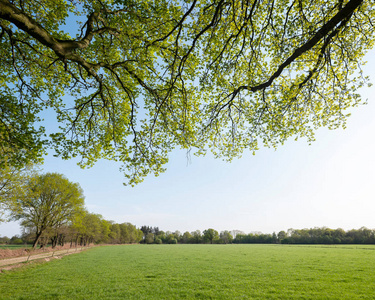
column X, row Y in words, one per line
column 210, row 235
column 150, row 238
column 15, row 240
column 196, row 237
column 49, row 201
column 226, row 237
column 186, row 237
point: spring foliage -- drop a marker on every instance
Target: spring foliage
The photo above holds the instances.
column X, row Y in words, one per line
column 132, row 80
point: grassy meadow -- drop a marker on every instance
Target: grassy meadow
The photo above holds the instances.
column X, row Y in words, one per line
column 199, row 272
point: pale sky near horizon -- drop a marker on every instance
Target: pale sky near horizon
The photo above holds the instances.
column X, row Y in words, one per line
column 329, row 183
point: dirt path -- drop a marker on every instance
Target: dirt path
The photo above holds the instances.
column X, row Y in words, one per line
column 46, row 255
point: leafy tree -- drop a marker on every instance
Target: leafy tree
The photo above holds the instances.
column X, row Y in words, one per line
column 186, row 238
column 177, row 234
column 50, row 201
column 226, row 237
column 156, row 230
column 281, row 235
column 94, row 229
column 197, row 237
column 146, row 229
column 130, row 234
column 210, row 235
column 150, row 238
column 12, row 185
column 161, row 235
column 115, row 234
column 148, row 76
column 15, row 240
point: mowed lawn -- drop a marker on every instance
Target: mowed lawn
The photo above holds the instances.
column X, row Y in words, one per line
column 199, row 272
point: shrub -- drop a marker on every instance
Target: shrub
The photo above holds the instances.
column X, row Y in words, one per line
column 16, row 241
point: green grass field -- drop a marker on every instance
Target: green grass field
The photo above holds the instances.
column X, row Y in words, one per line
column 199, row 272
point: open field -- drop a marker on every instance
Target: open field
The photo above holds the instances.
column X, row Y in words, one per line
column 200, row 271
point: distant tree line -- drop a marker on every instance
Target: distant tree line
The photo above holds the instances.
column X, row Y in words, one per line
column 153, row 235
column 92, row 228
column 317, row 235
column 325, row 235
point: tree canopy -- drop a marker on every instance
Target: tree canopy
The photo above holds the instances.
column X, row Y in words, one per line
column 13, row 181
column 49, row 202
column 132, row 80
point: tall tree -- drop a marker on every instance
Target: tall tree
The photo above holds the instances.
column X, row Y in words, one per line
column 92, row 228
column 148, row 76
column 50, row 201
column 226, row 237
column 197, row 236
column 210, row 235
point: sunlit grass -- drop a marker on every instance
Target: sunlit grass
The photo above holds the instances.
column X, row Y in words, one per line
column 200, row 271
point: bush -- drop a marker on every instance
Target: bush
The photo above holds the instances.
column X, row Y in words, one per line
column 149, row 238
column 16, row 241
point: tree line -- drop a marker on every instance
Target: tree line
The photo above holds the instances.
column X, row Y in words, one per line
column 92, row 229
column 51, row 210
column 152, row 235
column 95, row 229
column 317, row 235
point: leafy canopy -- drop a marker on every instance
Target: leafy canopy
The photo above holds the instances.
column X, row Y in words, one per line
column 50, row 201
column 132, row 80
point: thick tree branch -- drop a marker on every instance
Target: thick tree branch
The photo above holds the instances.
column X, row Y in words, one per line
column 341, row 16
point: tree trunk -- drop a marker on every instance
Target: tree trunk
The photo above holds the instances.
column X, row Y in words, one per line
column 62, row 240
column 35, row 243
column 54, row 241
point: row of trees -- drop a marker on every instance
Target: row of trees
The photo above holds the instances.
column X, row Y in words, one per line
column 317, row 235
column 51, row 210
column 152, row 235
column 325, row 235
column 91, row 228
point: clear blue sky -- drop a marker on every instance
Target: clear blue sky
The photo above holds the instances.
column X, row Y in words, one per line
column 329, row 183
